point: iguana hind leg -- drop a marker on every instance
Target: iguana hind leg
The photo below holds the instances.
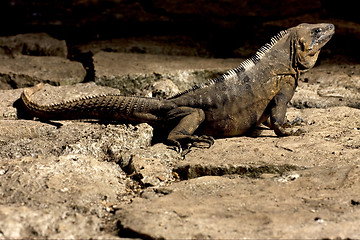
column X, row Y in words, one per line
column 182, row 133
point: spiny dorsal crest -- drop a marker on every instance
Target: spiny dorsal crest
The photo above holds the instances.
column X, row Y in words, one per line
column 245, row 65
column 106, row 98
column 83, row 98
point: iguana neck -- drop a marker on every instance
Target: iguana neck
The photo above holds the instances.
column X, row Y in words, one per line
column 273, row 59
column 279, row 60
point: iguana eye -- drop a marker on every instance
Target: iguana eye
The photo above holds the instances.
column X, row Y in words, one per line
column 316, row 31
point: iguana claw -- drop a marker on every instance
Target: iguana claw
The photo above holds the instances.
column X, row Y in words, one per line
column 199, row 143
column 191, row 141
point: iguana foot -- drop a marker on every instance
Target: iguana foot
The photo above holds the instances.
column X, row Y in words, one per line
column 202, row 141
column 281, row 132
column 298, row 121
column 297, row 132
column 191, row 141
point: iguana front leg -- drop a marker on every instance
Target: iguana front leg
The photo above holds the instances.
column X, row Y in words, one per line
column 182, row 133
column 277, row 121
column 278, row 107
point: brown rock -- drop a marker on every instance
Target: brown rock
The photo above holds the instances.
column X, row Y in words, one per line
column 157, row 45
column 34, row 44
column 331, row 135
column 329, row 84
column 131, row 73
column 317, row 204
column 52, row 197
column 67, row 179
column 23, row 71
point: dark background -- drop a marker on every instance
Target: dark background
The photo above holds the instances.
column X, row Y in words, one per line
column 226, row 28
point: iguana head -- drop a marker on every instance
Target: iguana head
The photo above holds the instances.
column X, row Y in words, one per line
column 308, row 39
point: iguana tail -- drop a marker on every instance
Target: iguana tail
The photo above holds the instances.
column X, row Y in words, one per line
column 111, row 107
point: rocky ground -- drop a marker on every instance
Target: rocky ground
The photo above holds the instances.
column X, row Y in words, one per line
column 89, row 179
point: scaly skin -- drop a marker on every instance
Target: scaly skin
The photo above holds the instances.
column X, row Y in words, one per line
column 258, row 89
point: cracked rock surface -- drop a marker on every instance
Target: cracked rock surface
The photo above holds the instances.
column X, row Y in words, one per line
column 90, row 179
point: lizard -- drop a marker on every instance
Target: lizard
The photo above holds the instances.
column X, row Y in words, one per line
column 255, row 92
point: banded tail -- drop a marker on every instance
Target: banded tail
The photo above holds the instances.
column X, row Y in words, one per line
column 111, row 107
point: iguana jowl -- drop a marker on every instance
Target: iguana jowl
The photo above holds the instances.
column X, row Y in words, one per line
column 230, row 105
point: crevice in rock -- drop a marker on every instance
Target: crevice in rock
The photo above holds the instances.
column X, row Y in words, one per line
column 126, row 164
column 86, row 59
column 6, row 79
column 125, row 232
column 186, row 172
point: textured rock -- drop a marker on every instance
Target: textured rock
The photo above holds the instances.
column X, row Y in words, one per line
column 330, row 84
column 332, row 135
column 48, row 196
column 30, row 138
column 9, row 100
column 87, row 179
column 308, row 184
column 90, row 179
column 154, row 166
column 317, row 204
column 35, row 44
column 162, row 89
column 131, row 73
column 23, row 71
column 158, row 45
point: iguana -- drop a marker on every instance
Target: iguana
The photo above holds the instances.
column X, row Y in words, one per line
column 231, row 105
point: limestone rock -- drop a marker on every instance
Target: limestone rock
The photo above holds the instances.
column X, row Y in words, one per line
column 154, row 166
column 113, row 142
column 34, row 44
column 328, row 85
column 162, row 89
column 21, row 138
column 24, row 71
column 131, row 73
column 212, row 207
column 157, row 45
column 90, row 179
column 268, row 154
column 8, row 103
column 57, row 197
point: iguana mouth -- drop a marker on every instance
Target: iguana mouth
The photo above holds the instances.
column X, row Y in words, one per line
column 323, row 39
